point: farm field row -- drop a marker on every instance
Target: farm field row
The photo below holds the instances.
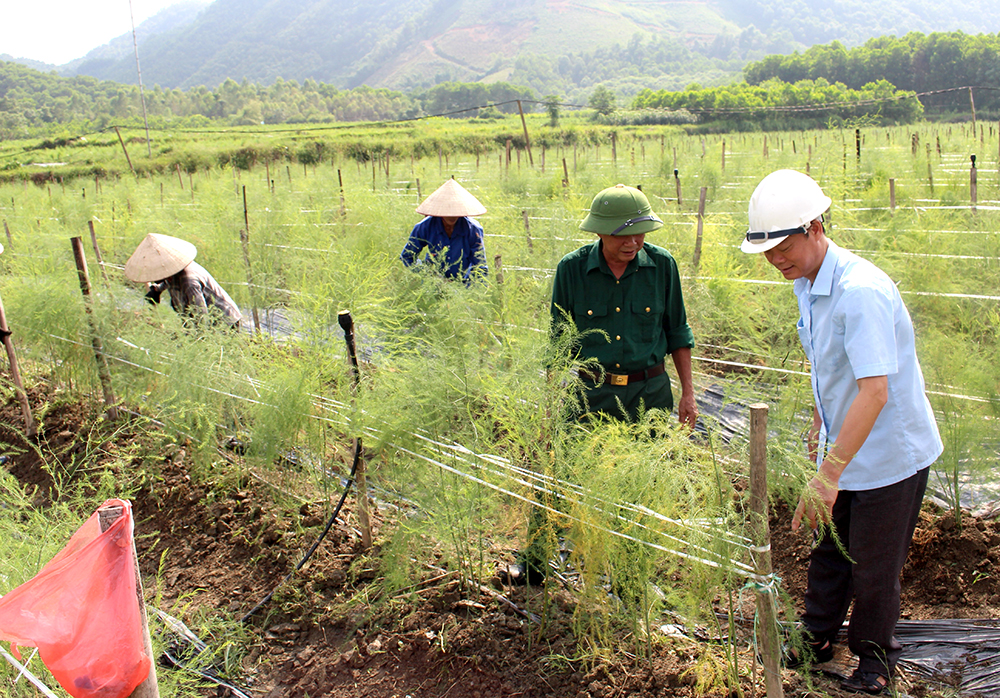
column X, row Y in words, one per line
column 460, row 390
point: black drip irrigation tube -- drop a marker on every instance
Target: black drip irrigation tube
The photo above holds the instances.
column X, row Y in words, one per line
column 329, row 524
column 347, row 325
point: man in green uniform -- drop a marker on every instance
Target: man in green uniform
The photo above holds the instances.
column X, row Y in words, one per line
column 624, row 297
column 629, row 291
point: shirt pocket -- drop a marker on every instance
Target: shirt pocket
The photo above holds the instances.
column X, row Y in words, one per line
column 805, row 337
column 647, row 318
column 592, row 323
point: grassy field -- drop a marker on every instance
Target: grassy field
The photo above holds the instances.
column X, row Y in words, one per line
column 455, row 406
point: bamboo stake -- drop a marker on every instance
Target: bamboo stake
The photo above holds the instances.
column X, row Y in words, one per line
column 245, row 240
column 148, row 688
column 701, row 224
column 347, row 325
column 95, row 340
column 892, row 194
column 6, row 229
column 767, row 624
column 527, row 140
column 15, row 375
column 97, row 251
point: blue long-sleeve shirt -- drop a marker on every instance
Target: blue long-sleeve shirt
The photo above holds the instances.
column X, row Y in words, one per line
column 462, row 255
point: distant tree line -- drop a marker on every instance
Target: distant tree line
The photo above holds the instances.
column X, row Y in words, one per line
column 32, row 102
column 917, row 62
column 777, row 105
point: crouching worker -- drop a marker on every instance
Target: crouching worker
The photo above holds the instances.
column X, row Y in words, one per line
column 454, row 241
column 167, row 263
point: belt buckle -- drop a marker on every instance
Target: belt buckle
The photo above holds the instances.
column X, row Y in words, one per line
column 618, row 378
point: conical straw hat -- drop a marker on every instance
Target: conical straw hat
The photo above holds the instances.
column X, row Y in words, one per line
column 159, row 256
column 1, row 249
column 451, row 199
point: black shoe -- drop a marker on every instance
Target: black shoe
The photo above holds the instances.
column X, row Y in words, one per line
column 811, row 653
column 521, row 573
column 870, row 682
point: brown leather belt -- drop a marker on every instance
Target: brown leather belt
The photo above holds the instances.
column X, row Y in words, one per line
column 625, row 378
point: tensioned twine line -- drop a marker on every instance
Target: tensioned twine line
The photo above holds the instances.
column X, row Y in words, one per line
column 733, row 565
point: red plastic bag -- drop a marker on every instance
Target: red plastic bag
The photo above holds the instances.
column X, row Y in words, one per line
column 82, row 613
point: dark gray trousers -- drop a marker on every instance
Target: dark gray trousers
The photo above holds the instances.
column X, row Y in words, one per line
column 876, row 527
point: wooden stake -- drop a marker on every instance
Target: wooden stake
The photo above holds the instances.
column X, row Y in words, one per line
column 125, row 150
column 245, row 240
column 614, row 147
column 973, row 187
column 6, row 229
column 97, row 251
column 972, row 103
column 701, row 223
column 767, row 624
column 498, row 269
column 892, row 194
column 565, row 181
column 343, row 201
column 527, row 141
column 15, row 375
column 180, row 180
column 95, row 340
column 148, row 688
column 723, row 155
column 677, row 182
column 527, row 231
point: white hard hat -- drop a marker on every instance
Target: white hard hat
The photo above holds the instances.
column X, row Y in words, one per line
column 784, row 203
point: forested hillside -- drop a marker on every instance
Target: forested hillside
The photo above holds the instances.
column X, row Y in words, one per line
column 553, row 47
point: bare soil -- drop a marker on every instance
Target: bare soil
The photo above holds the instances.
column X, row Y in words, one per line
column 226, row 547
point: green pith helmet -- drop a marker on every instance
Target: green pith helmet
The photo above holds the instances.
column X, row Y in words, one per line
column 620, row 210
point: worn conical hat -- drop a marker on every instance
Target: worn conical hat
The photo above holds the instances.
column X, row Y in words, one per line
column 159, row 256
column 451, row 199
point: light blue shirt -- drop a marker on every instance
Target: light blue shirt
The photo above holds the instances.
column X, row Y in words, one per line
column 854, row 325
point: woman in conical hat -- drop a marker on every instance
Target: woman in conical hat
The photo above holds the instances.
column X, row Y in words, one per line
column 167, row 263
column 454, row 240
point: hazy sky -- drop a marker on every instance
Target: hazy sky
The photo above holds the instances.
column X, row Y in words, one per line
column 57, row 31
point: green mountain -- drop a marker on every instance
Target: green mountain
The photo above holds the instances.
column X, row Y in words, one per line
column 559, row 46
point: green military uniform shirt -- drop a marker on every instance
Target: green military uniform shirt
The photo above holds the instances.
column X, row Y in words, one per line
column 642, row 314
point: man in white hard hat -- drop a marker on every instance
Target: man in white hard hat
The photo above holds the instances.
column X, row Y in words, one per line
column 167, row 263
column 453, row 239
column 873, row 434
